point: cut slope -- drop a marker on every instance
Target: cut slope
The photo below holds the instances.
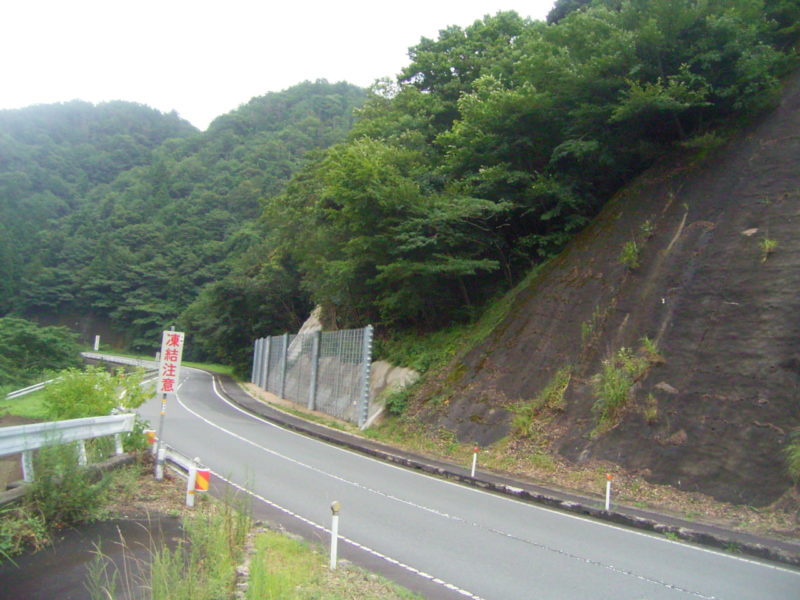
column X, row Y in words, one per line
column 725, row 317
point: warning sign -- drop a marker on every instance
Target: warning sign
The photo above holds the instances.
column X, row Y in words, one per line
column 169, row 367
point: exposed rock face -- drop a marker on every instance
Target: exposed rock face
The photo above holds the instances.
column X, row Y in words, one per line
column 718, row 291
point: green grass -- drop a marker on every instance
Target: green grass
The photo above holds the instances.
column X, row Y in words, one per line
column 528, row 416
column 629, row 255
column 423, row 352
column 767, row 247
column 30, row 406
column 612, row 387
column 792, row 455
column 289, row 569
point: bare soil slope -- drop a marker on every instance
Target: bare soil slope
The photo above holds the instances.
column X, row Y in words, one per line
column 715, row 415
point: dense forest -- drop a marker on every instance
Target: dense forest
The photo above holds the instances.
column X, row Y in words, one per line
column 408, row 206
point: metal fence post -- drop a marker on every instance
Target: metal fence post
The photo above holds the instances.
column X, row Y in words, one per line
column 284, row 357
column 254, row 373
column 266, row 351
column 312, row 385
column 366, row 368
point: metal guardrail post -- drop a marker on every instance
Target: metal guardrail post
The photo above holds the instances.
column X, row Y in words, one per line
column 312, row 384
column 27, row 466
column 366, row 368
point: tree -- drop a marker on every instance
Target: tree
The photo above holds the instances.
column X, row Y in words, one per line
column 27, row 351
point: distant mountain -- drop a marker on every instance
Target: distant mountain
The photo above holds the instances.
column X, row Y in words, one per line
column 124, row 213
column 51, row 156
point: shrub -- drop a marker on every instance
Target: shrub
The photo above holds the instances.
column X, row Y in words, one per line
column 65, row 493
column 550, row 400
column 792, row 453
column 767, row 246
column 612, row 386
column 629, row 256
column 93, row 392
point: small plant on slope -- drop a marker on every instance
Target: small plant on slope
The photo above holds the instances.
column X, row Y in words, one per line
column 612, row 386
column 767, row 246
column 550, row 400
column 629, row 256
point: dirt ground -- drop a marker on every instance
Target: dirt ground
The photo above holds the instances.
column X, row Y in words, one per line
column 139, row 520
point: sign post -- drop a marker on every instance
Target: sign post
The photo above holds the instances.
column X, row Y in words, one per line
column 168, row 371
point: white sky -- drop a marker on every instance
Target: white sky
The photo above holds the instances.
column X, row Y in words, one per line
column 204, row 59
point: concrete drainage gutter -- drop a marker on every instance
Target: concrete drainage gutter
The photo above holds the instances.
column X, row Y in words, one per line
column 708, row 535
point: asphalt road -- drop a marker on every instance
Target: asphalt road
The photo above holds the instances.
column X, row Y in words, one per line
column 445, row 539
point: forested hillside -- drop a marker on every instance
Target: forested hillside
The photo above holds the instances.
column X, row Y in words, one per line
column 494, row 146
column 133, row 239
column 52, row 156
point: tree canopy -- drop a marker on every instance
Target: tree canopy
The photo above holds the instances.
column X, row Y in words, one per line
column 408, row 208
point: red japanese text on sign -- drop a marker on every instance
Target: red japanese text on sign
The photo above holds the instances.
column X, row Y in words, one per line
column 171, row 353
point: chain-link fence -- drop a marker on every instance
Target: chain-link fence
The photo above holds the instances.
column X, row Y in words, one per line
column 324, row 370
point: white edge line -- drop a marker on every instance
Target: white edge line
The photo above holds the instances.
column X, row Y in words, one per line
column 652, row 536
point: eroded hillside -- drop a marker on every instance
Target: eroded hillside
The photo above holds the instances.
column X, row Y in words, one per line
column 702, row 258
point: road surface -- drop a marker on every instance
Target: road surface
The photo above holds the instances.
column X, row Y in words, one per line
column 444, row 539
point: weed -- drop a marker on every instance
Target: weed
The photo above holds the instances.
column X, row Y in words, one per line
column 767, row 247
column 397, row 400
column 21, row 528
column 65, row 493
column 550, row 400
column 733, row 548
column 542, row 461
column 647, row 229
column 629, row 256
column 612, row 386
column 651, row 409
column 650, row 351
column 671, row 535
column 792, row 453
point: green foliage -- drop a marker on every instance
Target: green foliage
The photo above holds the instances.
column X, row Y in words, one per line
column 65, row 493
column 529, row 416
column 203, row 567
column 138, row 245
column 27, row 351
column 21, row 529
column 397, row 401
column 93, row 392
column 612, row 387
column 767, row 247
column 792, row 456
column 30, row 406
column 490, row 150
column 629, row 256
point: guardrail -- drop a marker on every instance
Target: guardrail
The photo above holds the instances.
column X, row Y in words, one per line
column 197, row 475
column 27, row 438
column 31, row 388
column 122, row 360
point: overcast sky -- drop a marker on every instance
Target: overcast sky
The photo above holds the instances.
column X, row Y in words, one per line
column 203, row 59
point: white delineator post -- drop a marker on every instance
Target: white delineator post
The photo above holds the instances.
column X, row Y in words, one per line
column 474, row 460
column 96, row 343
column 335, row 507
column 609, row 477
column 191, row 481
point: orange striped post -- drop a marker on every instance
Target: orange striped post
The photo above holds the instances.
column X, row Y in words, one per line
column 202, row 480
